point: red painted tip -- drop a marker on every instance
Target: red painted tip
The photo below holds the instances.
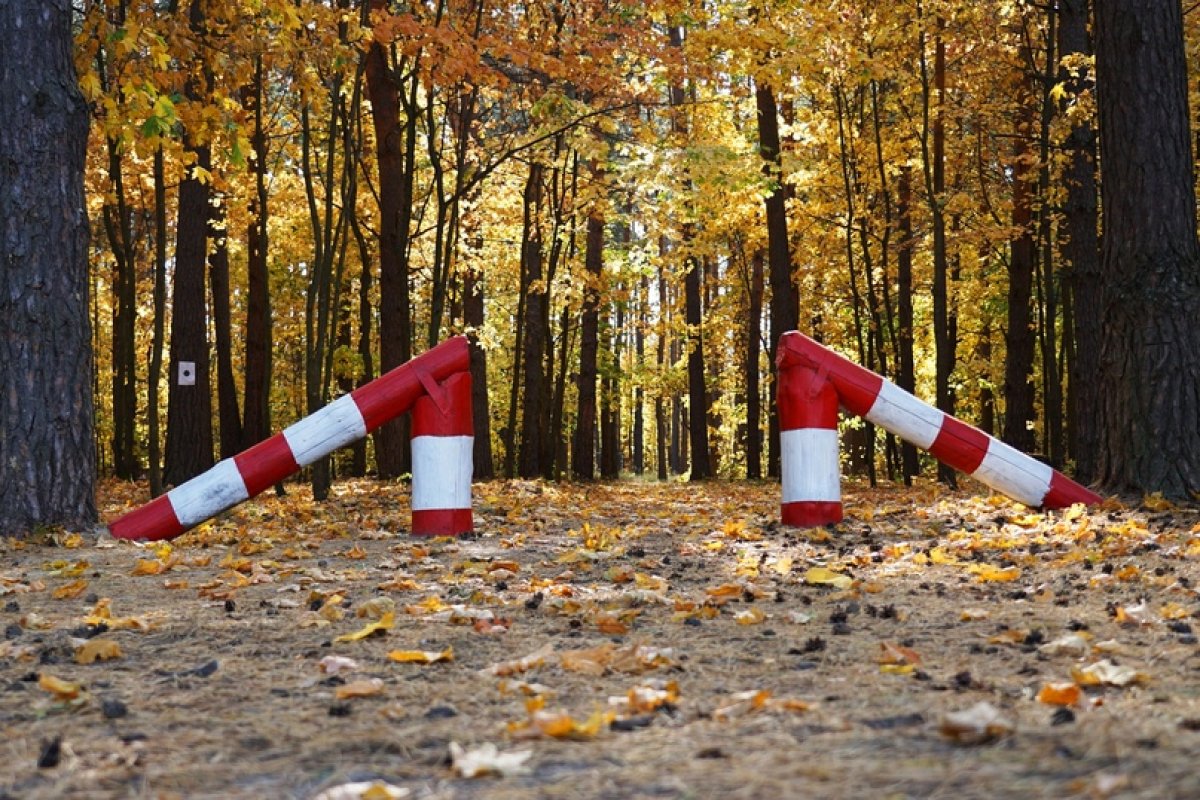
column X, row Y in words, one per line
column 806, row 400
column 442, row 522
column 152, row 522
column 1065, row 492
column 810, row 514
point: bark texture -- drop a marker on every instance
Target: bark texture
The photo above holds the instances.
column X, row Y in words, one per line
column 1149, row 387
column 47, row 452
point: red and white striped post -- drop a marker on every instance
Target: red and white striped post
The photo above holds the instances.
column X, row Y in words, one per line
column 808, row 446
column 961, row 446
column 345, row 420
column 443, row 439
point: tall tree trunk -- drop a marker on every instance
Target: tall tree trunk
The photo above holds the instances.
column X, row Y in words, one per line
column 189, row 399
column 1079, row 243
column 610, row 401
column 751, row 368
column 395, row 152
column 697, row 390
column 583, row 452
column 638, row 438
column 119, row 228
column 1149, row 383
column 256, row 373
column 535, row 409
column 661, row 427
column 1019, row 338
column 229, row 414
column 47, row 450
column 785, row 298
column 154, row 371
column 906, row 369
column 933, row 159
column 473, row 316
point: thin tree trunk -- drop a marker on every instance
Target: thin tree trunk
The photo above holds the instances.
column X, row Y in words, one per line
column 906, row 370
column 535, row 408
column 583, row 453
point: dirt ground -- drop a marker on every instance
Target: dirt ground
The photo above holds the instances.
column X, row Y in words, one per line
column 624, row 640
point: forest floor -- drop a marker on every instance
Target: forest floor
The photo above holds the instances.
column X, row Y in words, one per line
column 620, row 640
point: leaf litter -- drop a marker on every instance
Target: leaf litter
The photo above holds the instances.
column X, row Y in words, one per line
column 610, row 640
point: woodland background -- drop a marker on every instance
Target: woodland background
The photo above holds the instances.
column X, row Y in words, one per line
column 624, row 204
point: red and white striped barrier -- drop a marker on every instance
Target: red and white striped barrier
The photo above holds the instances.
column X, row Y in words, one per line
column 961, row 446
column 443, row 432
column 808, row 444
column 343, row 421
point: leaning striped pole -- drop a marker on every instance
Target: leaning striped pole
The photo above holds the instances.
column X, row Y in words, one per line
column 345, row 420
column 957, row 444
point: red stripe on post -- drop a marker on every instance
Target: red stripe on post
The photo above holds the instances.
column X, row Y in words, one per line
column 428, row 418
column 856, row 387
column 395, row 392
column 442, row 522
column 806, row 400
column 959, row 445
column 1065, row 492
column 154, row 521
column 266, row 464
column 810, row 513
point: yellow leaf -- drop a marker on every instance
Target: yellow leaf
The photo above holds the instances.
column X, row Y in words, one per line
column 1156, row 502
column 380, row 625
column 897, row 669
column 148, row 566
column 940, row 555
column 368, row 687
column 62, row 690
column 70, row 591
column 376, row 607
column 822, row 576
column 781, row 565
column 751, row 616
column 421, row 656
column 985, row 573
column 97, row 650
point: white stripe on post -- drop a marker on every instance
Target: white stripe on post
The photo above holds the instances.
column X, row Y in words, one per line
column 898, row 411
column 336, row 425
column 208, row 493
column 810, row 464
column 441, row 472
column 1011, row 472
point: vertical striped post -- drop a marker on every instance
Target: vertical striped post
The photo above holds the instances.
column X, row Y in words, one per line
column 442, row 459
column 808, row 444
column 343, row 421
column 961, row 446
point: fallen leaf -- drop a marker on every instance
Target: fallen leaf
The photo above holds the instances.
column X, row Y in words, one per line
column 986, row 573
column 380, row 625
column 1059, row 694
column 487, row 759
column 332, row 665
column 376, row 607
column 822, row 576
column 62, row 690
column 1074, row 645
column 364, row 790
column 421, row 656
column 97, row 649
column 1106, row 673
column 70, row 591
column 741, row 704
column 589, row 661
column 974, row 614
column 148, row 566
column 535, row 659
column 897, row 654
column 750, row 616
column 979, row 724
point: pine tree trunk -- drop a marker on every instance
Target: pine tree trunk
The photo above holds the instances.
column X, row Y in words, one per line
column 256, row 375
column 535, row 408
column 1080, row 246
column 47, row 451
column 1149, row 383
column 583, row 457
column 1019, row 336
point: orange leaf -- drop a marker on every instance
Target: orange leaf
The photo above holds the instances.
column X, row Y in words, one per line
column 364, row 688
column 380, row 625
column 1059, row 694
column 62, row 690
column 70, row 591
column 97, row 650
column 421, row 656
